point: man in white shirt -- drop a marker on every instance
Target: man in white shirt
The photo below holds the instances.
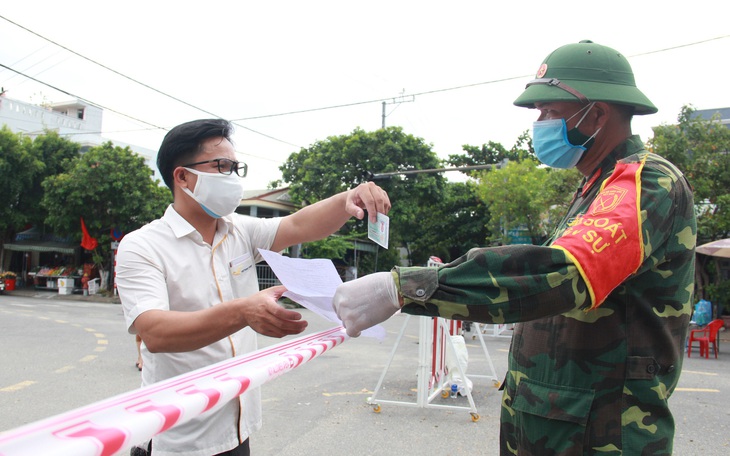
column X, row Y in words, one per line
column 188, row 280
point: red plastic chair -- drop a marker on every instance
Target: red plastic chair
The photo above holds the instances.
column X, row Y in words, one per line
column 705, row 337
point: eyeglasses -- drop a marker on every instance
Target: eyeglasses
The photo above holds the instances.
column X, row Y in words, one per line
column 225, row 166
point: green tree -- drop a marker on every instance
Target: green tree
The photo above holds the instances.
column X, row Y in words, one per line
column 56, row 153
column 513, row 194
column 342, row 162
column 527, row 196
column 20, row 167
column 462, row 221
column 701, row 149
column 493, row 153
column 110, row 187
column 560, row 187
column 457, row 224
column 332, row 247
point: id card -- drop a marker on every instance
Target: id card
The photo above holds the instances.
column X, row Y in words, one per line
column 378, row 232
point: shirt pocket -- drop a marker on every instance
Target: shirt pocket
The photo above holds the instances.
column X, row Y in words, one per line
column 240, row 265
column 243, row 277
column 556, row 415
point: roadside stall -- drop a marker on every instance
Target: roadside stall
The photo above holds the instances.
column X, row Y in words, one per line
column 46, row 262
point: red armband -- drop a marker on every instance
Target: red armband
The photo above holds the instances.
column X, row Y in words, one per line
column 606, row 243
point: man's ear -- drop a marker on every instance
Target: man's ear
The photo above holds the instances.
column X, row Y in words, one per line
column 600, row 114
column 180, row 177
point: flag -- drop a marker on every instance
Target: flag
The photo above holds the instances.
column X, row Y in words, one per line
column 87, row 242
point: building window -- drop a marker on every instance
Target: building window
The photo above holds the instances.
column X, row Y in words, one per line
column 80, row 113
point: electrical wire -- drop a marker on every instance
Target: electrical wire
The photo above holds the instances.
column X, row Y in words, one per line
column 302, row 111
column 380, row 100
column 140, row 83
column 81, row 98
column 465, row 86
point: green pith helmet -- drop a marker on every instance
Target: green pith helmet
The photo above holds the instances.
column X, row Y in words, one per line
column 584, row 72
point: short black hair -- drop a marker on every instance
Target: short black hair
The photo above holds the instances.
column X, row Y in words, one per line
column 184, row 142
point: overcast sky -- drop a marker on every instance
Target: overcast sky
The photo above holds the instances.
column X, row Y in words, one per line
column 460, row 64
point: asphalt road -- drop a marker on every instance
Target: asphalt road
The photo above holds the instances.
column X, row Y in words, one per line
column 58, row 355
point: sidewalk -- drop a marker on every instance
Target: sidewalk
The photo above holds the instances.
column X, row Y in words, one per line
column 30, row 292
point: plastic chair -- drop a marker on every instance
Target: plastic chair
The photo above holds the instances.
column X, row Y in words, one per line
column 705, row 337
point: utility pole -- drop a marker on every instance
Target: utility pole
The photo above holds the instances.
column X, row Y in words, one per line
column 402, row 98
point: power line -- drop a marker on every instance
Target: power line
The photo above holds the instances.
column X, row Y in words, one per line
column 380, row 100
column 679, row 46
column 302, row 111
column 80, row 98
column 138, row 82
column 447, row 89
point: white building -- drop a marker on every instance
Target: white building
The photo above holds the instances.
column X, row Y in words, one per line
column 75, row 120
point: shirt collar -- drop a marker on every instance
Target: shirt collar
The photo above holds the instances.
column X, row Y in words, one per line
column 632, row 145
column 181, row 227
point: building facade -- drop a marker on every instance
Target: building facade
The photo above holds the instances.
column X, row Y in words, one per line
column 75, row 120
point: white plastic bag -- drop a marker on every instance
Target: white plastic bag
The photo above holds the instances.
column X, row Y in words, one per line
column 462, row 357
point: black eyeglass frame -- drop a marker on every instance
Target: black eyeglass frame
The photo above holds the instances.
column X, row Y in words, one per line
column 235, row 165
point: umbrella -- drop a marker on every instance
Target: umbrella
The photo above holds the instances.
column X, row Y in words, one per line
column 719, row 248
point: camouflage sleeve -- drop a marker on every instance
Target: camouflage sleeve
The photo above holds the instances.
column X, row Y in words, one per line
column 668, row 221
column 669, row 230
column 524, row 282
column 496, row 285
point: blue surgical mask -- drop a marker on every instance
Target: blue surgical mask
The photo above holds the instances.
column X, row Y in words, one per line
column 557, row 147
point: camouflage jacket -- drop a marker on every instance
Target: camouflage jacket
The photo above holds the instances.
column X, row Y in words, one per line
column 599, row 348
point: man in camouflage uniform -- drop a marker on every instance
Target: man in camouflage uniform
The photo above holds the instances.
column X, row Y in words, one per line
column 604, row 304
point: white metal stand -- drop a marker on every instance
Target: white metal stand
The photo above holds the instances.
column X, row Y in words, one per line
column 431, row 372
column 498, row 330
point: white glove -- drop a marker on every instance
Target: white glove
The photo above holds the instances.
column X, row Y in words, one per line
column 365, row 302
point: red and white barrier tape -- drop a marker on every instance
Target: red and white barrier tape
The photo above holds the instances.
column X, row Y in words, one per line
column 107, row 427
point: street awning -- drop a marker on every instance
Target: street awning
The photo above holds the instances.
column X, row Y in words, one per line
column 41, row 246
column 719, row 248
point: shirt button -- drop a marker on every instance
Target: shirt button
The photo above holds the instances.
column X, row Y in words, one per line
column 670, row 369
column 420, row 292
column 651, row 368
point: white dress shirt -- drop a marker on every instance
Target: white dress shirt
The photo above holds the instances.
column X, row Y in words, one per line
column 166, row 265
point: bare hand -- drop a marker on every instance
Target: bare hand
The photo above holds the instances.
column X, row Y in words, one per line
column 370, row 197
column 265, row 316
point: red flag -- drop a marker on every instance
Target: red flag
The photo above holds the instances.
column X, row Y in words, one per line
column 87, row 242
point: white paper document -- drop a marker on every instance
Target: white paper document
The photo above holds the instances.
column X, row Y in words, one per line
column 312, row 284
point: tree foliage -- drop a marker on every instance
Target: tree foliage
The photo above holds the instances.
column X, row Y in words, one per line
column 516, row 193
column 493, row 153
column 20, row 167
column 514, row 196
column 701, row 150
column 342, row 162
column 332, row 247
column 455, row 225
column 560, row 187
column 56, row 153
column 110, row 187
column 523, row 195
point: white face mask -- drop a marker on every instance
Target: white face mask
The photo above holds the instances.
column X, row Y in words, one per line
column 217, row 194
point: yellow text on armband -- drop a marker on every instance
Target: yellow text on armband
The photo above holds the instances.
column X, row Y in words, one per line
column 602, row 227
